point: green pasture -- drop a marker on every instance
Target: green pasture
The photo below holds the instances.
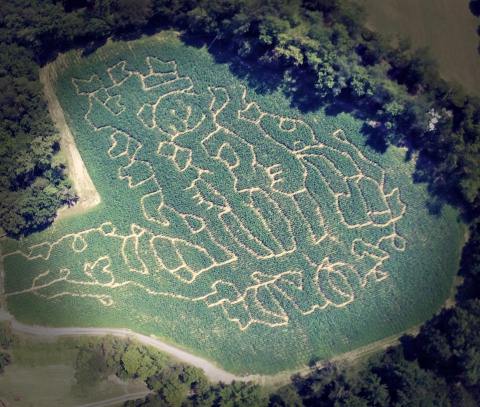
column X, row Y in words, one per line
column 446, row 27
column 231, row 224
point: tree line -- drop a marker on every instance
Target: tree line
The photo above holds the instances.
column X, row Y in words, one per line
column 475, row 9
column 172, row 384
column 5, row 346
column 318, row 51
column 438, row 367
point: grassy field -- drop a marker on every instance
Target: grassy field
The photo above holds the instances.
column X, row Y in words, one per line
column 42, row 375
column 447, row 27
column 231, row 224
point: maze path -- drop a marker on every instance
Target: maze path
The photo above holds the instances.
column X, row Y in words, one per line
column 250, row 186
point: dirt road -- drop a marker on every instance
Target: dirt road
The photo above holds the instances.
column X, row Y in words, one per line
column 117, row 400
column 213, row 372
column 77, row 172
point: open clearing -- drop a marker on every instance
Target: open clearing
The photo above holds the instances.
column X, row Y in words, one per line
column 42, row 375
column 231, row 224
column 447, row 27
column 51, row 385
column 212, row 372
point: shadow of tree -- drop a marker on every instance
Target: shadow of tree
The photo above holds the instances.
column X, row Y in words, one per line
column 409, row 346
column 92, row 46
column 265, row 80
column 375, row 138
column 478, row 33
column 300, row 88
column 469, row 268
column 475, row 7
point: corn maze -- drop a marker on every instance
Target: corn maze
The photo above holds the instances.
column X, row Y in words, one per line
column 238, row 227
column 249, row 184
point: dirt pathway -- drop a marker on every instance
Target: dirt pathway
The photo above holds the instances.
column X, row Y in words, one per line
column 77, row 172
column 213, row 373
column 117, row 400
column 88, row 198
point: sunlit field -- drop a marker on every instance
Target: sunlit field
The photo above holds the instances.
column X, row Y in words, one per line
column 231, row 224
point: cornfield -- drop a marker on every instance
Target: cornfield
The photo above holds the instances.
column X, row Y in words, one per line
column 231, row 223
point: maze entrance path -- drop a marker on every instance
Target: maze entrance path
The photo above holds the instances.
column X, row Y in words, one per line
column 215, row 202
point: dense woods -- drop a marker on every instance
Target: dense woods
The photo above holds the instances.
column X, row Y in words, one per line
column 32, row 181
column 475, row 9
column 320, row 53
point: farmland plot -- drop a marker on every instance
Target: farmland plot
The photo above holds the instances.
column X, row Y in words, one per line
column 230, row 223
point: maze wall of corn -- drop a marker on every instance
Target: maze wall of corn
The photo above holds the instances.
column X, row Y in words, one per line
column 231, row 224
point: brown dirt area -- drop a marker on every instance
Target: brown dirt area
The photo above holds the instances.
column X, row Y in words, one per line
column 76, row 170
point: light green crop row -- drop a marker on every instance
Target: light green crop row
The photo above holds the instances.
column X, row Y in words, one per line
column 231, row 223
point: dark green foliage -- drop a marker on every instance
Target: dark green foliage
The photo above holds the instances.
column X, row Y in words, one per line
column 286, row 396
column 470, row 267
column 32, row 180
column 33, row 185
column 407, row 383
column 387, row 380
column 240, row 395
column 90, row 367
column 179, row 385
column 4, row 360
column 171, row 384
column 449, row 344
column 138, row 362
column 131, row 14
column 6, row 340
column 318, row 50
column 6, row 337
column 173, row 391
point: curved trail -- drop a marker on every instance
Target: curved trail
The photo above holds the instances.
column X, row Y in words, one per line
column 213, row 372
column 116, row 400
column 88, row 198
